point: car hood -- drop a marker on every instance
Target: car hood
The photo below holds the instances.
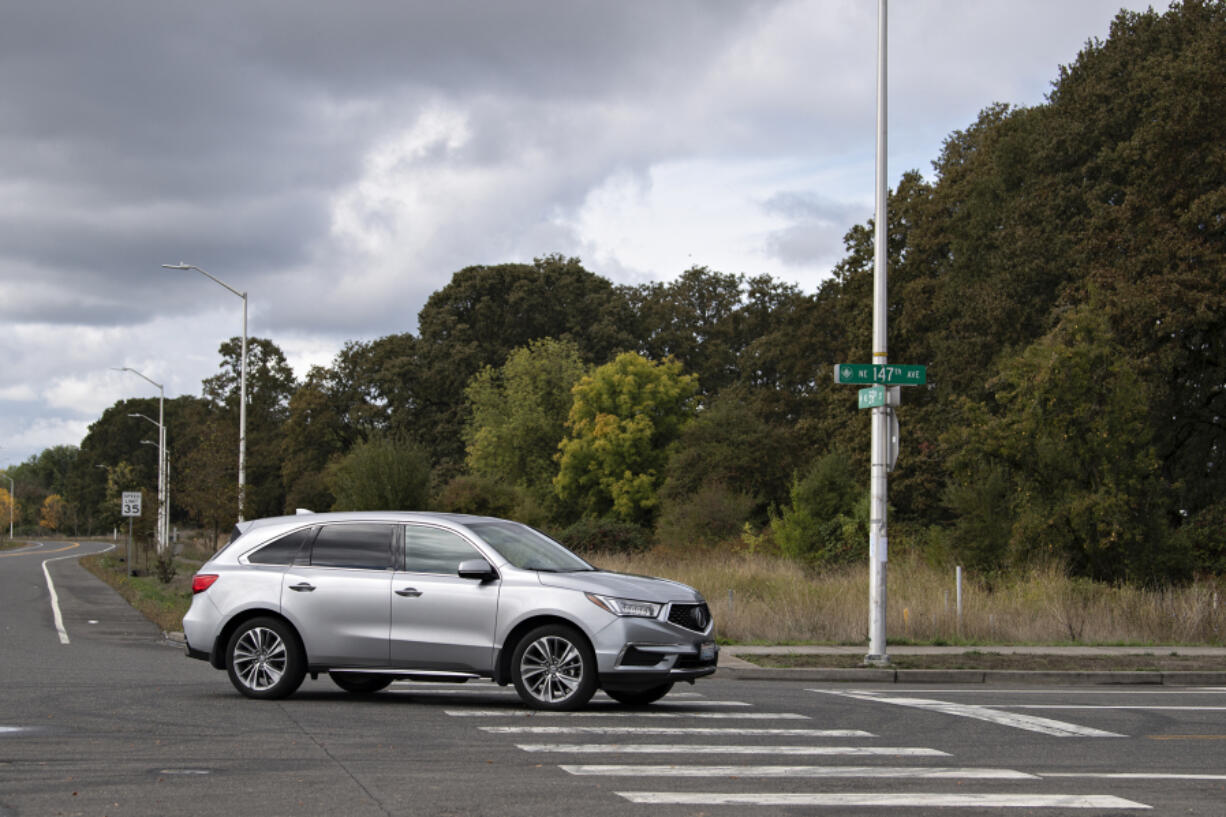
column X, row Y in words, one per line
column 622, row 585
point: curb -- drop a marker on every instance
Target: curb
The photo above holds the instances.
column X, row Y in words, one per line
column 877, row 675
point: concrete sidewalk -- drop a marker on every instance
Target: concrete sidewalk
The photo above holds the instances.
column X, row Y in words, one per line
column 737, row 662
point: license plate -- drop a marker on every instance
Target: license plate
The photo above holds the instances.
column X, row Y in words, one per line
column 706, row 651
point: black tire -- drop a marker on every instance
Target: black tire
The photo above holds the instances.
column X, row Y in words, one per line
column 640, row 697
column 360, row 683
column 553, row 667
column 264, row 660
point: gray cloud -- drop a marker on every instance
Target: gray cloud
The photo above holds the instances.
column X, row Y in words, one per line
column 340, row 161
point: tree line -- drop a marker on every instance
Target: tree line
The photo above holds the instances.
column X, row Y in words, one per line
column 1060, row 275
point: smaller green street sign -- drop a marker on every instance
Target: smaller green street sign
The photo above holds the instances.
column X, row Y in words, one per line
column 872, row 397
column 890, row 374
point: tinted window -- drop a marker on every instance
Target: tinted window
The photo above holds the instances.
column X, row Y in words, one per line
column 360, row 546
column 282, row 551
column 527, row 548
column 433, row 550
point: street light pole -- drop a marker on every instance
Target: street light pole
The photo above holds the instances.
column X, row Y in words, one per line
column 878, row 482
column 164, row 483
column 163, row 511
column 242, row 397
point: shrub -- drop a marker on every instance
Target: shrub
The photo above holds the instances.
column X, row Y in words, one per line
column 827, row 520
column 714, row 513
column 591, row 535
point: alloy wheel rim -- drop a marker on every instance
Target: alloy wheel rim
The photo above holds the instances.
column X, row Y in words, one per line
column 551, row 668
column 260, row 658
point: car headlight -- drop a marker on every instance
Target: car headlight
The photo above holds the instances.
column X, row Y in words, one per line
column 625, row 607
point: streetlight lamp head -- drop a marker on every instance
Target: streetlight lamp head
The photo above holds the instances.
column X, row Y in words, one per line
column 179, row 265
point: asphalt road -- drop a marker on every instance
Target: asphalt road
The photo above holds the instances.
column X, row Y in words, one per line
column 116, row 722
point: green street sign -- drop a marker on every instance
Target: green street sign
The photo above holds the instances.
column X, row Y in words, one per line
column 890, row 374
column 872, row 397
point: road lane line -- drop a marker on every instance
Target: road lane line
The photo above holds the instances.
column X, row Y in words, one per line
column 671, row 730
column 524, row 713
column 877, row 799
column 723, row 749
column 55, row 599
column 1030, row 723
column 1135, row 775
column 909, row 772
column 1113, row 706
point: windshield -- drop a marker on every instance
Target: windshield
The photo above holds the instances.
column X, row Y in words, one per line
column 528, row 549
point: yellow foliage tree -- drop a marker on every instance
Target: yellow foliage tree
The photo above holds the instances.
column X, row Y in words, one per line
column 54, row 511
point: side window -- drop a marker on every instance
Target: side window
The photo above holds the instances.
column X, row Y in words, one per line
column 356, row 546
column 284, row 550
column 433, row 550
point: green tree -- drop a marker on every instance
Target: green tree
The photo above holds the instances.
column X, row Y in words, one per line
column 270, row 384
column 826, row 521
column 1072, row 431
column 207, row 481
column 381, row 474
column 486, row 312
column 626, row 415
column 519, row 413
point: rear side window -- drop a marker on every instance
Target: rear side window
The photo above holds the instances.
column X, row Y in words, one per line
column 365, row 546
column 282, row 551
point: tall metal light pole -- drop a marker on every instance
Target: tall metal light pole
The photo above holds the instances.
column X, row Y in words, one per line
column 164, row 486
column 161, row 424
column 878, row 538
column 242, row 398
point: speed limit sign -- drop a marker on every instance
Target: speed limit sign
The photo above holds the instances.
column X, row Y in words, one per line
column 131, row 503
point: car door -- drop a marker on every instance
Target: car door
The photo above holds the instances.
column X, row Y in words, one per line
column 439, row 620
column 340, row 599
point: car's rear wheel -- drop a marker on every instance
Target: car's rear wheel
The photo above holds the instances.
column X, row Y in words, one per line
column 640, row 697
column 360, row 683
column 553, row 667
column 264, row 660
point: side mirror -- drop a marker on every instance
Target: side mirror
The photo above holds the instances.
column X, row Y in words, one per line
column 478, row 569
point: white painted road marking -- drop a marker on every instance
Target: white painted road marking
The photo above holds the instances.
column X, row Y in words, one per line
column 925, row 773
column 1113, row 706
column 721, row 749
column 877, row 799
column 1031, row 723
column 527, row 713
column 55, row 599
column 1136, row 775
column 671, row 730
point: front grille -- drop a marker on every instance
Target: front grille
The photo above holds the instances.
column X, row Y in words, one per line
column 694, row 617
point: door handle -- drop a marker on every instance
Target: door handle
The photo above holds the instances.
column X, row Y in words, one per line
column 302, row 587
column 409, row 592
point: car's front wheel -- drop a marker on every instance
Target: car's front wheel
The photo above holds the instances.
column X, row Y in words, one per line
column 554, row 668
column 264, row 660
column 360, row 683
column 640, row 697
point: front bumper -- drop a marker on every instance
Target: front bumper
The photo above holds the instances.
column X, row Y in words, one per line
column 643, row 652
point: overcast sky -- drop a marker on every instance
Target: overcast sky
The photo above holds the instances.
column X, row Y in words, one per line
column 339, row 161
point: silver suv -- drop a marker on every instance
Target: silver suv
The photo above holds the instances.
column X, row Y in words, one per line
column 375, row 596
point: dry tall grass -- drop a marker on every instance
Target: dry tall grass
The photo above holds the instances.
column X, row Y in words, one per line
column 758, row 598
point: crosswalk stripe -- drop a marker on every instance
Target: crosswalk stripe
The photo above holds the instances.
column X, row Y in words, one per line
column 917, row 772
column 672, row 730
column 1031, row 723
column 527, row 713
column 721, row 749
column 917, row 800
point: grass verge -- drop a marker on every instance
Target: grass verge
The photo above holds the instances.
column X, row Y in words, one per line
column 162, row 603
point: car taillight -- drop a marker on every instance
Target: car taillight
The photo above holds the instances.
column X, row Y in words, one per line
column 202, row 582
